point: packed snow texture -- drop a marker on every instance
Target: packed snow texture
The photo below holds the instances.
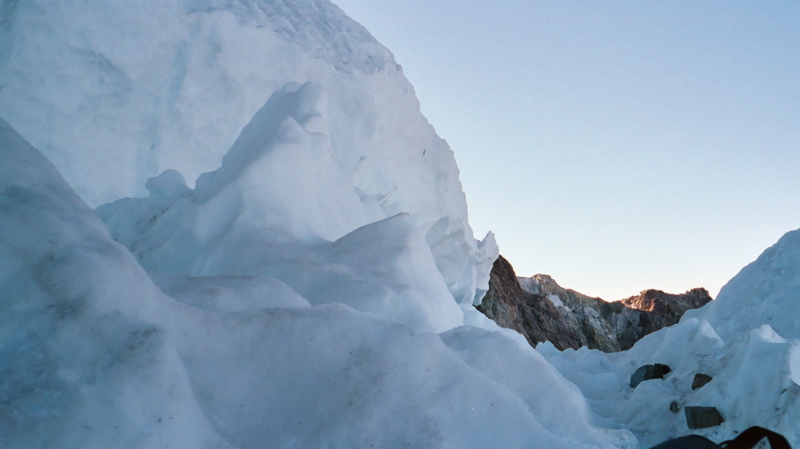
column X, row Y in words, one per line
column 308, row 287
column 312, row 284
column 115, row 93
column 95, row 354
column 747, row 340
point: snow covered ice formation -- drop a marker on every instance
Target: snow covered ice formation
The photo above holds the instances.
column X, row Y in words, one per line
column 95, row 355
column 312, row 284
column 310, row 288
column 114, row 93
column 746, row 340
column 257, row 216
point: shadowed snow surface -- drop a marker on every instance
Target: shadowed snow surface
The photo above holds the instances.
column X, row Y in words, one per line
column 115, row 93
column 311, row 285
column 95, row 355
column 746, row 339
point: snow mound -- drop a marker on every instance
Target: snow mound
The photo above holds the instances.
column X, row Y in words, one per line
column 284, row 259
column 765, row 292
column 94, row 355
column 746, row 340
column 82, row 363
column 257, row 215
column 115, row 93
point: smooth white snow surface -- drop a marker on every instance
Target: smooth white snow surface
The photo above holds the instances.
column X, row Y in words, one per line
column 311, row 285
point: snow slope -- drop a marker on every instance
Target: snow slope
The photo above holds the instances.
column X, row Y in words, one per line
column 256, row 216
column 308, row 289
column 311, row 285
column 114, row 93
column 747, row 340
column 95, row 355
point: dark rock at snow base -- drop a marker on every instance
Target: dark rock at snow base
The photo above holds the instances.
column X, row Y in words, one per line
column 700, row 380
column 541, row 310
column 702, row 417
column 649, row 372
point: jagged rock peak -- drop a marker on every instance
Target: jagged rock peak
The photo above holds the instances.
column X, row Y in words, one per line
column 636, row 316
column 653, row 300
column 532, row 315
column 537, row 311
column 542, row 310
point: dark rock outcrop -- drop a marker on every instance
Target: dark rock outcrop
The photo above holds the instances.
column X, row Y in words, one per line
column 531, row 315
column 636, row 316
column 542, row 310
column 649, row 372
column 700, row 380
column 581, row 311
column 702, row 417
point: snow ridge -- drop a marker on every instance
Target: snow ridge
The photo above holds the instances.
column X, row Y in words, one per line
column 310, row 284
column 94, row 355
column 319, row 26
column 115, row 93
column 747, row 340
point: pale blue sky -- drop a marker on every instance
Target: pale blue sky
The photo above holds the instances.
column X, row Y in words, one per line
column 614, row 145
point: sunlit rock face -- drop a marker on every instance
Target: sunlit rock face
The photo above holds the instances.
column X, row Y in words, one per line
column 530, row 314
column 639, row 315
column 542, row 310
column 584, row 310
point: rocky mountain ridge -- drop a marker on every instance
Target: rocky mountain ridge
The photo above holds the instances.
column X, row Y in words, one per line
column 542, row 310
column 636, row 316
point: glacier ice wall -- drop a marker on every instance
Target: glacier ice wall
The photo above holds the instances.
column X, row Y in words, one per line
column 255, row 216
column 297, row 292
column 114, row 93
column 82, row 361
column 94, row 355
